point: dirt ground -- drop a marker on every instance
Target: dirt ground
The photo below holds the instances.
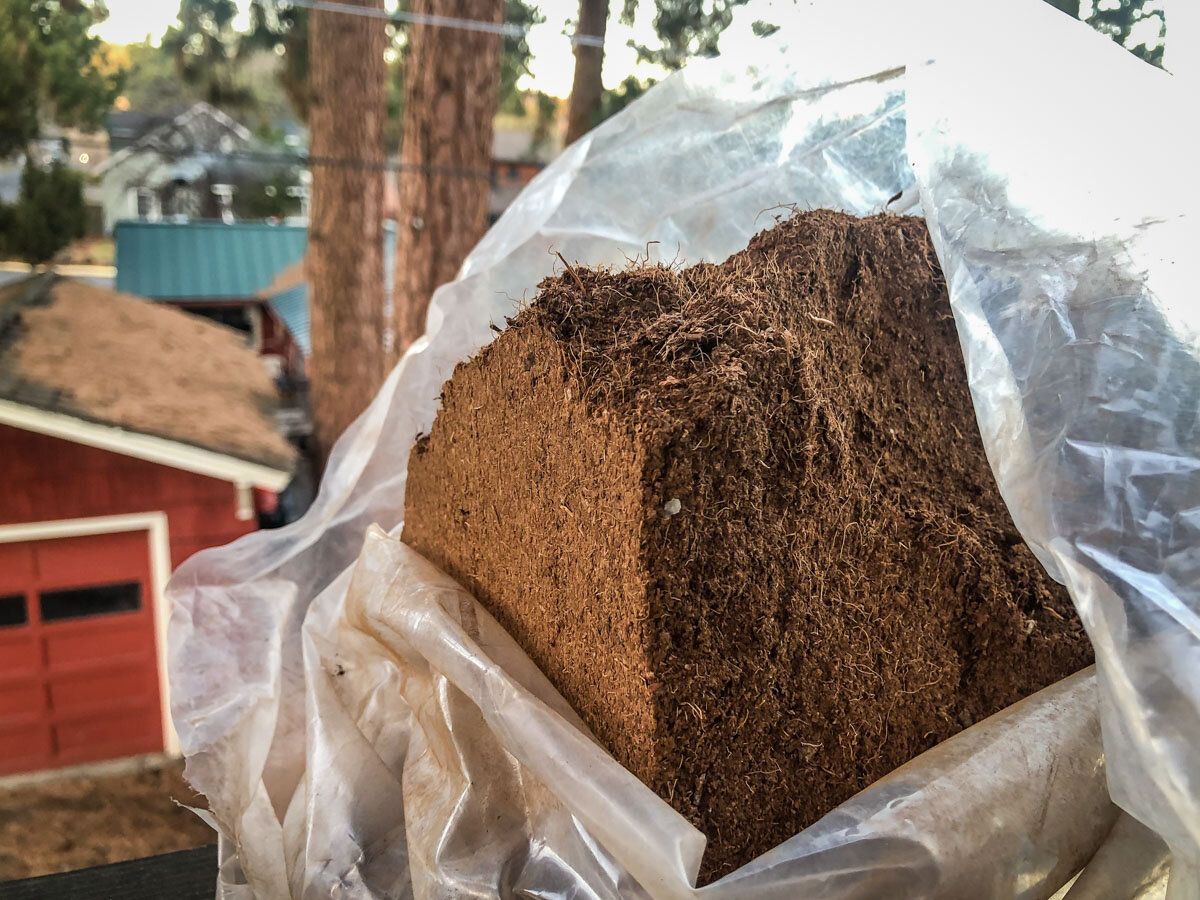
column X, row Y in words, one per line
column 75, row 823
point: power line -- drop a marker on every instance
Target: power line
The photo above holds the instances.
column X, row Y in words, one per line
column 506, row 29
column 387, row 164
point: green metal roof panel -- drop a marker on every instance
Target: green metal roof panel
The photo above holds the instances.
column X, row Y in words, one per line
column 203, row 260
column 292, row 308
column 291, row 305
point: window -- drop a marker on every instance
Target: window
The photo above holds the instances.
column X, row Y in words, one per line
column 148, row 205
column 77, row 603
column 12, row 610
column 185, row 201
column 231, row 316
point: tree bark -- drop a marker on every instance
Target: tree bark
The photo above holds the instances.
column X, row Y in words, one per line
column 344, row 262
column 450, row 97
column 587, row 88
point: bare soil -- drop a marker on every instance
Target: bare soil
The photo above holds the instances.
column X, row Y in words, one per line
column 741, row 516
column 80, row 822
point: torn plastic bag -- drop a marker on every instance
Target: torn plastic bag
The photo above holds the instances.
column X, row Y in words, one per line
column 1074, row 289
column 507, row 794
column 312, row 737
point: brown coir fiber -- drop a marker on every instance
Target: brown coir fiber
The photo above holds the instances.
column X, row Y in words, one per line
column 841, row 587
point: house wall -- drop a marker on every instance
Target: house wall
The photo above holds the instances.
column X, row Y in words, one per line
column 118, row 200
column 277, row 340
column 45, row 478
column 183, row 148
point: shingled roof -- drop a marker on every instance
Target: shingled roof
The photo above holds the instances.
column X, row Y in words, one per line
column 71, row 349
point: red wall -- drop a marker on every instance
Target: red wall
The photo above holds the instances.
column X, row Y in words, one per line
column 276, row 338
column 44, row 478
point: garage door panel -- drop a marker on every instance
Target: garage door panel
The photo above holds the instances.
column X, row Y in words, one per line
column 99, row 558
column 21, row 698
column 99, row 690
column 16, row 567
column 115, row 733
column 24, row 746
column 78, row 668
column 18, row 652
column 80, row 648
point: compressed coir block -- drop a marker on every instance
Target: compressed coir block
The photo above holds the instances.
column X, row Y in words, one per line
column 740, row 515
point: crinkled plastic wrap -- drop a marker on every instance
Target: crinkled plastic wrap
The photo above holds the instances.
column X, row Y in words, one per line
column 1074, row 283
column 361, row 728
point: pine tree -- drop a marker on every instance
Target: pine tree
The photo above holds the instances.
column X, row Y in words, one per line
column 344, row 262
column 587, row 89
column 451, row 95
column 48, row 215
column 51, row 69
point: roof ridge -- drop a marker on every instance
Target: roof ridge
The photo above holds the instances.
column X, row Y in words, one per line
column 36, row 292
column 209, row 223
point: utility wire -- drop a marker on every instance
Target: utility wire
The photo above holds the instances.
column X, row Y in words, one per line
column 506, row 29
column 389, row 164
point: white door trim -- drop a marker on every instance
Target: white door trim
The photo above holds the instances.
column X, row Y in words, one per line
column 155, row 524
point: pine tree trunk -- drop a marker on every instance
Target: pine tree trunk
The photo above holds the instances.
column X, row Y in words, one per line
column 344, row 263
column 587, row 88
column 450, row 97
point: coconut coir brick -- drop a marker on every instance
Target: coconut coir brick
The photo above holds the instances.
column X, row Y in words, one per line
column 741, row 516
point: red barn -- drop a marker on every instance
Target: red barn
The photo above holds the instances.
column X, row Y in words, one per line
column 131, row 436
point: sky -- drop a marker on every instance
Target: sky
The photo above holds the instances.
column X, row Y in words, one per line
column 553, row 62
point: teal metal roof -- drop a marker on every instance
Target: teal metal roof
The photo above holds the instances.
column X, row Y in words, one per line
column 292, row 308
column 203, row 260
column 291, row 305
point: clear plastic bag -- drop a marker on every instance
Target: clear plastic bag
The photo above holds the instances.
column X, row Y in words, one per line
column 1074, row 288
column 506, row 794
column 366, row 744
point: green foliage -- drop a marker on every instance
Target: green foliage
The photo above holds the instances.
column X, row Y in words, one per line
column 1118, row 19
column 613, row 101
column 151, row 83
column 7, row 218
column 283, row 29
column 685, row 28
column 515, row 57
column 203, row 45
column 244, row 74
column 263, row 75
column 278, row 26
column 1070, row 7
column 763, row 29
column 547, row 114
column 51, row 68
column 393, row 125
column 48, row 215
